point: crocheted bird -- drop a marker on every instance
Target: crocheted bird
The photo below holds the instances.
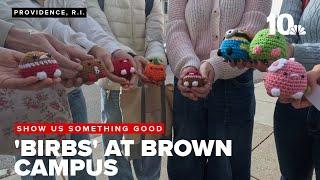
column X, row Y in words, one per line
column 265, row 47
column 286, row 79
column 235, row 46
column 193, row 79
column 123, row 68
column 39, row 64
column 93, row 70
column 155, row 71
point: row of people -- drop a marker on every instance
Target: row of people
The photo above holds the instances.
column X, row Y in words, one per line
column 222, row 109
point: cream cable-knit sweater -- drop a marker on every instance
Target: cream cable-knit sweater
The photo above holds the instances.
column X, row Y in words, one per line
column 197, row 27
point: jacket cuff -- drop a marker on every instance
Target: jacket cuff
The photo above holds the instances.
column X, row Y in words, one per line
column 4, row 31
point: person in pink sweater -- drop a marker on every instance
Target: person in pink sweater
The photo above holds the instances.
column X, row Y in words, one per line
column 224, row 108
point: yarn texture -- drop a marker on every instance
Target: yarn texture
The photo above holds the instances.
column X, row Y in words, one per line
column 39, row 64
column 265, row 47
column 235, row 46
column 193, row 79
column 286, row 79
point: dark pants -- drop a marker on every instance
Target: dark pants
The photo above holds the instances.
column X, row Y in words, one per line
column 226, row 114
column 297, row 136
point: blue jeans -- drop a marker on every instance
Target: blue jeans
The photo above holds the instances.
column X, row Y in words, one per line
column 79, row 114
column 297, row 136
column 146, row 168
column 227, row 113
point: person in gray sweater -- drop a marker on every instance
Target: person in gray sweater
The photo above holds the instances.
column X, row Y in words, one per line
column 297, row 124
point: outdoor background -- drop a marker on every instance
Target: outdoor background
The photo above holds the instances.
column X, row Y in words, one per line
column 264, row 159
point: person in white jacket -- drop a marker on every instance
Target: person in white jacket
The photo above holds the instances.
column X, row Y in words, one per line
column 141, row 34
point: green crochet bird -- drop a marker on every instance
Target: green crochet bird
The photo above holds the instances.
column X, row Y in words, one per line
column 265, row 47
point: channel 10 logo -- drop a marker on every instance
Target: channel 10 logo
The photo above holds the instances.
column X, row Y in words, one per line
column 276, row 24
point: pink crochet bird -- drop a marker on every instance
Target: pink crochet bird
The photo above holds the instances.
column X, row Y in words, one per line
column 286, row 79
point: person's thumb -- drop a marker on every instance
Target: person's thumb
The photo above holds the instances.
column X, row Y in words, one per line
column 18, row 83
column 76, row 53
column 108, row 63
column 206, row 70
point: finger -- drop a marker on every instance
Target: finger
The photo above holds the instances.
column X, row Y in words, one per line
column 193, row 97
column 106, row 60
column 18, row 56
column 201, row 90
column 232, row 64
column 285, row 100
column 39, row 85
column 66, row 63
column 144, row 62
column 133, row 62
column 72, row 51
column 68, row 74
column 134, row 79
column 249, row 64
column 56, row 80
column 117, row 79
column 77, row 53
column 262, row 66
column 240, row 64
column 145, row 79
column 270, row 62
column 301, row 104
column 244, row 63
column 68, row 83
column 78, row 82
column 17, row 83
column 203, row 94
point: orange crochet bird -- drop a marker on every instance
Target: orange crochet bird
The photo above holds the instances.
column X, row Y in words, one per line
column 155, row 71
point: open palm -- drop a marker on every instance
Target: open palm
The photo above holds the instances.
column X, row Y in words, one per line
column 9, row 73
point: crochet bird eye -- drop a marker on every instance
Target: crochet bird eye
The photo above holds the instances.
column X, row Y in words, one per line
column 285, row 73
column 302, row 76
column 230, row 33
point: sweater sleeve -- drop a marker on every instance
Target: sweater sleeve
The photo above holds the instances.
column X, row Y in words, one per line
column 154, row 33
column 180, row 49
column 307, row 54
column 65, row 34
column 255, row 16
column 4, row 30
column 294, row 8
column 223, row 70
column 98, row 15
column 4, row 26
column 88, row 26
